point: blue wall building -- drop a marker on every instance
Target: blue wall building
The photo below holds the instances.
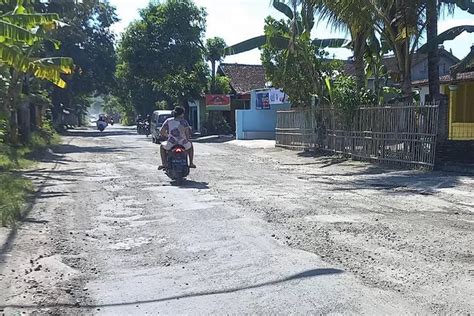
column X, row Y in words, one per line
column 257, row 122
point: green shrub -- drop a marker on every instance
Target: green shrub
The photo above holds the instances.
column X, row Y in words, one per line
column 346, row 98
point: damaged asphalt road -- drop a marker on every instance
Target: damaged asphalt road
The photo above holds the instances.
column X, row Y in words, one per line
column 254, row 230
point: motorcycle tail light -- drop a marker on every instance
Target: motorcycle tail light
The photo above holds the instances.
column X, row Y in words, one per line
column 179, row 150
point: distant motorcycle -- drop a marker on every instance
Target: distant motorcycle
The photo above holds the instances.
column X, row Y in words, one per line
column 101, row 125
column 140, row 127
column 143, row 128
column 178, row 166
column 146, row 128
column 112, row 121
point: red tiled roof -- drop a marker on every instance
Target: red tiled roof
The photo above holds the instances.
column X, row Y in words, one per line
column 463, row 76
column 244, row 78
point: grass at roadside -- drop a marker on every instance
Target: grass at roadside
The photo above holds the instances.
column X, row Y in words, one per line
column 13, row 192
column 14, row 188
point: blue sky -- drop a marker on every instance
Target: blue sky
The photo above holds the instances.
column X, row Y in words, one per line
column 237, row 20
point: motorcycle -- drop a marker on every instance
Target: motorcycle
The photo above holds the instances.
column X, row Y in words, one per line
column 101, row 125
column 111, row 121
column 178, row 166
column 140, row 128
column 146, row 128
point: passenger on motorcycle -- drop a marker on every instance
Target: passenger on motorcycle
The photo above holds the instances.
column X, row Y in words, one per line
column 178, row 132
column 139, row 119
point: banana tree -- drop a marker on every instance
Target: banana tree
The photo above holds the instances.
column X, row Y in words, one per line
column 301, row 24
column 22, row 32
column 292, row 60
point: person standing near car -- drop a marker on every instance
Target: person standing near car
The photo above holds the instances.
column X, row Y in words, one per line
column 177, row 131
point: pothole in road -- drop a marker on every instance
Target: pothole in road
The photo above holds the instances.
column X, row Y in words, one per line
column 130, row 243
column 334, row 218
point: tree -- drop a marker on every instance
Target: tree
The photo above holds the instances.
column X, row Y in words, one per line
column 161, row 56
column 89, row 40
column 23, row 33
column 134, row 84
column 215, row 52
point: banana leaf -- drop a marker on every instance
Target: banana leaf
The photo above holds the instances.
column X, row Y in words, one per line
column 448, row 35
column 246, row 45
column 283, row 8
column 16, row 33
column 13, row 57
column 281, row 42
column 64, row 64
column 29, row 21
column 331, row 43
column 49, row 69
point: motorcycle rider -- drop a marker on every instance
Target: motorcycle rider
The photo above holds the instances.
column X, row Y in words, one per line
column 139, row 122
column 178, row 132
column 101, row 122
column 139, row 119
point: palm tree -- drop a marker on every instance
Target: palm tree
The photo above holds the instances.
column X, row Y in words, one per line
column 215, row 52
column 396, row 21
column 354, row 17
column 433, row 54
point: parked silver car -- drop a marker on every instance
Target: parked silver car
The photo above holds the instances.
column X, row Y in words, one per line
column 157, row 120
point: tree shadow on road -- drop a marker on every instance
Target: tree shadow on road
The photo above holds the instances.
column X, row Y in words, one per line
column 73, row 149
column 63, row 176
column 393, row 181
column 303, row 275
column 355, row 175
column 322, row 158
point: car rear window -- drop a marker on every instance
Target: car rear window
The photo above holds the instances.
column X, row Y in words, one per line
column 162, row 118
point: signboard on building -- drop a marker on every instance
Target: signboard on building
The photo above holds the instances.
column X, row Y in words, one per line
column 263, row 100
column 218, row 102
column 277, row 96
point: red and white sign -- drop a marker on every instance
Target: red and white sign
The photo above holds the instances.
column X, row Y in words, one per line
column 217, row 100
